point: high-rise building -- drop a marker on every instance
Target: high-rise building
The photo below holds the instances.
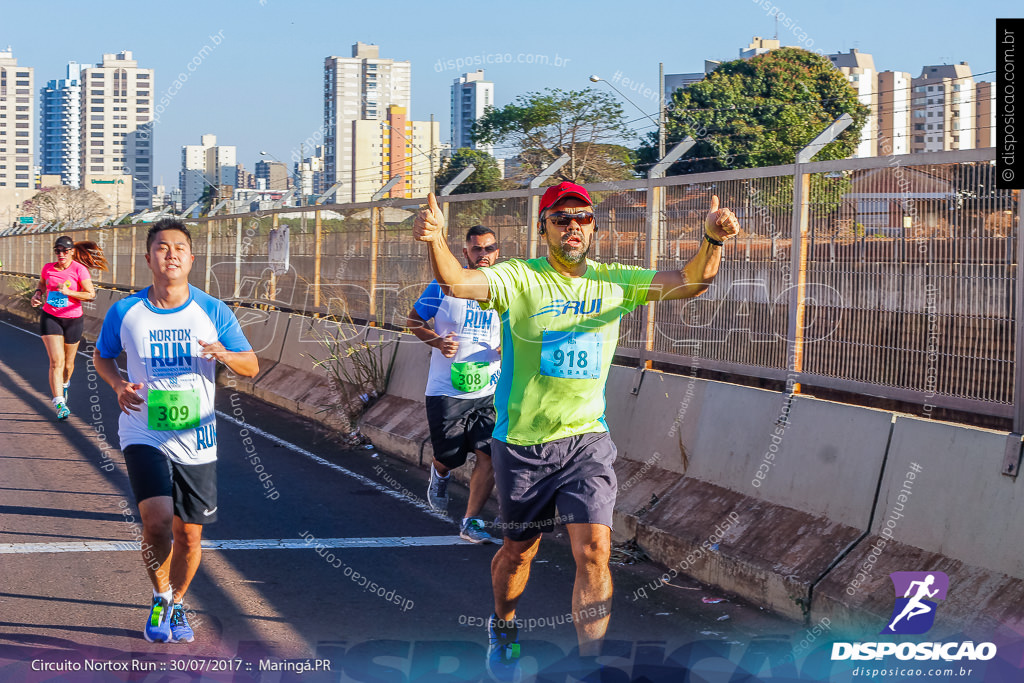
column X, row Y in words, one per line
column 984, row 115
column 943, row 102
column 357, row 88
column 894, row 128
column 310, row 173
column 116, row 123
column 60, row 111
column 384, row 149
column 274, row 175
column 859, row 69
column 471, row 94
column 204, row 165
column 17, row 135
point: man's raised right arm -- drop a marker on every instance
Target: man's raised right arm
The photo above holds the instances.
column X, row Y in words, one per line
column 463, row 283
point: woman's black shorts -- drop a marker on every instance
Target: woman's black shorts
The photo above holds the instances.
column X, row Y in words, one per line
column 69, row 328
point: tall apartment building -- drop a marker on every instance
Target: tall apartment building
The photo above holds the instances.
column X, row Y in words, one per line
column 310, row 173
column 357, row 88
column 943, row 108
column 204, row 165
column 893, row 117
column 471, row 94
column 859, row 69
column 274, row 175
column 984, row 115
column 60, row 126
column 383, row 149
column 17, row 135
column 116, row 124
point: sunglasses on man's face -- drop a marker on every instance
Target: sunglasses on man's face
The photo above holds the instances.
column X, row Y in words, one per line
column 490, row 248
column 563, row 219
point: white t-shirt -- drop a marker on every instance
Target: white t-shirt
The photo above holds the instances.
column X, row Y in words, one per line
column 479, row 335
column 178, row 385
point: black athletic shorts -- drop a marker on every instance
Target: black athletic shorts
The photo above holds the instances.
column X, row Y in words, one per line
column 459, row 426
column 69, row 328
column 573, row 475
column 193, row 487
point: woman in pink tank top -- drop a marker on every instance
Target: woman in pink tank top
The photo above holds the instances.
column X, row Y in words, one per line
column 63, row 286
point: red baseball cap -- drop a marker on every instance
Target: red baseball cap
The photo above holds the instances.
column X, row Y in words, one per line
column 563, row 189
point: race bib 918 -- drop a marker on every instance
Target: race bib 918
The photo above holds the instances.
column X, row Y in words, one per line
column 571, row 355
column 173, row 410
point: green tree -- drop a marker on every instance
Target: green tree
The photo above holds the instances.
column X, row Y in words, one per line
column 486, row 177
column 759, row 112
column 542, row 126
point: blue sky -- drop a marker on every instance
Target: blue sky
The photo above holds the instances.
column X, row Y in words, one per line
column 260, row 88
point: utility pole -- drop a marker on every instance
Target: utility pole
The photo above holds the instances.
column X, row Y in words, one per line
column 661, row 110
column 431, row 152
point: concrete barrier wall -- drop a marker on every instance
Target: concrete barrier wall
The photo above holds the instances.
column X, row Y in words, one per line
column 959, row 504
column 944, row 505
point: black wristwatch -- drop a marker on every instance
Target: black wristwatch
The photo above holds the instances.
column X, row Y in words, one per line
column 712, row 240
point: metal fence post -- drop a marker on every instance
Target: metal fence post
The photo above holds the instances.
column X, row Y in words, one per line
column 238, row 256
column 113, row 257
column 1018, row 323
column 798, row 253
column 209, row 256
column 375, row 216
column 318, row 235
column 532, row 231
column 652, row 230
column 131, row 276
column 272, row 294
column 798, row 268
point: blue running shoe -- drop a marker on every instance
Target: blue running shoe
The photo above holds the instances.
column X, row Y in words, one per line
column 62, row 411
column 158, row 625
column 472, row 530
column 503, row 650
column 180, row 630
column 437, row 491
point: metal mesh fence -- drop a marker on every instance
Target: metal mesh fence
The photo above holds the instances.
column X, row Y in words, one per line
column 909, row 283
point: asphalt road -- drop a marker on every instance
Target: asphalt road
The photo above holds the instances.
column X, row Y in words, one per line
column 74, row 596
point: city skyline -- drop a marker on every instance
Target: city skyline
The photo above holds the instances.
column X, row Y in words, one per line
column 267, row 58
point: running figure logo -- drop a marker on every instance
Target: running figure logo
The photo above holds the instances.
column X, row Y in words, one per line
column 914, row 612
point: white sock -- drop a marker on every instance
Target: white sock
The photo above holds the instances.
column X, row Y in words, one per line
column 438, row 474
column 58, row 401
column 168, row 596
column 67, row 384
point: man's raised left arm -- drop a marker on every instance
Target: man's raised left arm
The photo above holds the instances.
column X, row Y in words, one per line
column 695, row 277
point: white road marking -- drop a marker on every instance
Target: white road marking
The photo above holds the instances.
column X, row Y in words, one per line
column 238, row 544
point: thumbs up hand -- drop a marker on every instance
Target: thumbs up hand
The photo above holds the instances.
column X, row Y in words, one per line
column 429, row 225
column 721, row 224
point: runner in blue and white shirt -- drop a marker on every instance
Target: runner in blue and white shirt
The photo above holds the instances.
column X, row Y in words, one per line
column 464, row 369
column 173, row 335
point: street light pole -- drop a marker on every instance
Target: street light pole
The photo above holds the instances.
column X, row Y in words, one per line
column 595, row 79
column 661, row 110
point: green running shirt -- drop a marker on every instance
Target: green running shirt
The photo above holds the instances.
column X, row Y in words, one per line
column 558, row 337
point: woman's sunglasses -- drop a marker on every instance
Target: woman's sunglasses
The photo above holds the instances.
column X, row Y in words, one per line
column 61, row 251
column 563, row 219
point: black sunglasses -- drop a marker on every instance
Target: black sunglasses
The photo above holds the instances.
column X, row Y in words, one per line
column 490, row 248
column 563, row 219
column 61, row 250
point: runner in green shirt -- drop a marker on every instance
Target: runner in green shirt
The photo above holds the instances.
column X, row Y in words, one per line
column 551, row 450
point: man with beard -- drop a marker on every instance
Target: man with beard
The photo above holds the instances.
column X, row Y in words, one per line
column 551, row 449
